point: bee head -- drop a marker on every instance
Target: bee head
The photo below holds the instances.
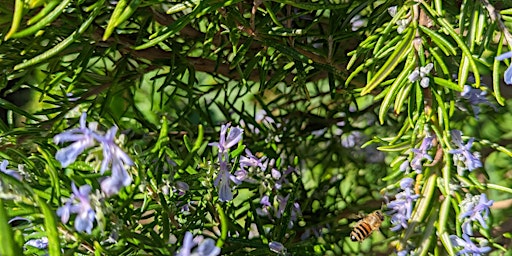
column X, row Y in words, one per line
column 380, row 215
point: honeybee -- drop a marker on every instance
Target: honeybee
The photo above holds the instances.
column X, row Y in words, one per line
column 366, row 226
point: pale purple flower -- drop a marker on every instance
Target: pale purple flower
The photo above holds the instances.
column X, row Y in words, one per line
column 224, row 177
column 116, row 181
column 265, row 206
column 421, row 153
column 462, row 156
column 205, row 247
column 276, row 174
column 39, row 243
column 113, row 155
column 475, row 96
column 401, row 207
column 296, row 212
column 13, row 173
column 277, row 247
column 249, row 163
column 508, row 73
column 281, row 202
column 249, row 160
column 352, row 139
column 242, row 175
column 85, row 137
column 263, row 117
column 65, row 211
column 402, row 253
column 181, row 187
column 358, row 22
column 281, row 178
column 82, row 138
column 469, row 248
column 405, row 166
column 222, row 182
column 474, row 208
column 234, row 135
column 393, row 10
column 85, row 214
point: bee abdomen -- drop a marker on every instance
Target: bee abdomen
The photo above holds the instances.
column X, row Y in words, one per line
column 360, row 232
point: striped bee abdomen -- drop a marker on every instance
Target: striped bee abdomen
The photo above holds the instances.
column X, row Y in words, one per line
column 360, row 232
column 366, row 226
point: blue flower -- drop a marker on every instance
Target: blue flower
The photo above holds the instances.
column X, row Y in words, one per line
column 469, row 248
column 508, row 73
column 475, row 208
column 85, row 214
column 463, row 158
column 421, row 153
column 205, row 247
column 401, row 207
column 82, row 138
column 13, row 173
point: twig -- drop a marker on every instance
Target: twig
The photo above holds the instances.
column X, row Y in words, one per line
column 496, row 17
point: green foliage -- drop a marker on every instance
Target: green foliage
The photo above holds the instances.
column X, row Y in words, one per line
column 336, row 93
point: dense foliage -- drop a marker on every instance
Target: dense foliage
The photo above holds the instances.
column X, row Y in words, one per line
column 254, row 127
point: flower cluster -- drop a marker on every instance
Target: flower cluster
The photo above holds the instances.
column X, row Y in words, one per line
column 85, row 214
column 254, row 170
column 86, row 137
column 83, row 138
column 401, row 207
column 421, row 153
column 470, row 248
column 422, row 75
column 276, row 208
column 224, row 177
column 402, row 23
column 203, row 247
column 462, row 156
column 474, row 208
